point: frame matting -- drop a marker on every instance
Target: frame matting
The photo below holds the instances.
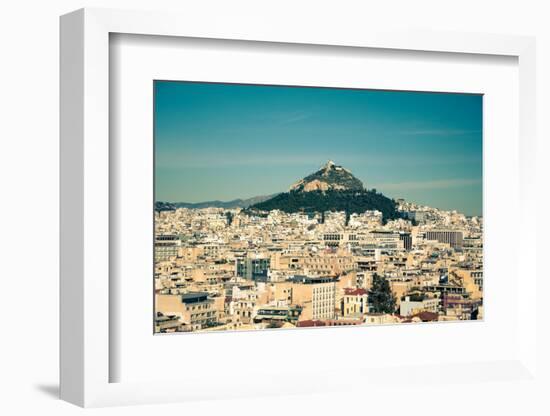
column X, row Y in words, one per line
column 85, row 181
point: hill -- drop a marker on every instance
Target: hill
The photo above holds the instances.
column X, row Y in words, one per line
column 331, row 188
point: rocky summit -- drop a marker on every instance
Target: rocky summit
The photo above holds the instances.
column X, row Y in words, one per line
column 330, row 177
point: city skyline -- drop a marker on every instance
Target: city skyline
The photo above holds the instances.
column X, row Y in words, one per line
column 370, row 211
column 230, row 141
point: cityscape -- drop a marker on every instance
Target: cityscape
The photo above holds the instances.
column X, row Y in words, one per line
column 325, row 248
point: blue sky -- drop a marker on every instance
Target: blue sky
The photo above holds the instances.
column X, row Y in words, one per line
column 227, row 141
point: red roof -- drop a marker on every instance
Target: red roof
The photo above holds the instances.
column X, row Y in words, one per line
column 426, row 316
column 310, row 322
column 355, row 291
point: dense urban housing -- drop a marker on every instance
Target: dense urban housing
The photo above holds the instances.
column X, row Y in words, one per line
column 264, row 266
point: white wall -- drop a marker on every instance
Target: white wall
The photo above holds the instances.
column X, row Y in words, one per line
column 29, row 178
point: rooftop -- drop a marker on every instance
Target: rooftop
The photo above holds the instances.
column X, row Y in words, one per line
column 194, row 297
column 310, row 280
column 355, row 291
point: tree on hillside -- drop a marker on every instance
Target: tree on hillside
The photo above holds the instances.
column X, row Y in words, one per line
column 332, row 200
column 381, row 298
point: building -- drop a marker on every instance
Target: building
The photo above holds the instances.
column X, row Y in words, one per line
column 194, row 309
column 354, row 302
column 471, row 280
column 381, row 319
column 329, row 322
column 270, row 314
column 478, row 279
column 166, row 247
column 407, row 240
column 340, row 238
column 384, row 239
column 253, row 268
column 243, row 303
column 166, row 323
column 418, row 216
column 460, row 307
column 412, row 305
column 323, row 264
column 316, row 295
column 453, row 238
column 368, row 264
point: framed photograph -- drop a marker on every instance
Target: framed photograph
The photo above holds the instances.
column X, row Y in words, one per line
column 244, row 209
column 242, row 244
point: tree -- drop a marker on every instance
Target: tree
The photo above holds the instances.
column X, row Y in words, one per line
column 381, row 298
column 353, row 202
column 229, row 216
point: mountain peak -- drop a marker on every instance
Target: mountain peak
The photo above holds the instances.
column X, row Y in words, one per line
column 329, row 177
column 328, row 165
column 331, row 188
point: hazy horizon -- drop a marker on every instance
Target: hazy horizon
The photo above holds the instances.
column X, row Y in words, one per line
column 231, row 141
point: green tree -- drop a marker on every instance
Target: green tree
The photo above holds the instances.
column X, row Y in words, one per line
column 332, row 200
column 381, row 298
column 229, row 216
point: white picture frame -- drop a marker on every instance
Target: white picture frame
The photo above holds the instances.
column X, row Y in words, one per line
column 85, row 201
